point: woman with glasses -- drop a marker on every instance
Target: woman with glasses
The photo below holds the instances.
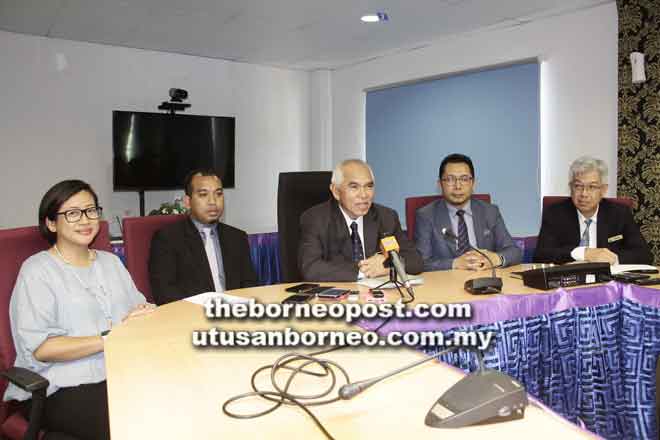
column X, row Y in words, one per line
column 65, row 301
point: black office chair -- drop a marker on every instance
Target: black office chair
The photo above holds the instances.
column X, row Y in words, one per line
column 296, row 192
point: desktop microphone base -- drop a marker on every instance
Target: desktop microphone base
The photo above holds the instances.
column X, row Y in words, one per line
column 483, row 286
column 489, row 396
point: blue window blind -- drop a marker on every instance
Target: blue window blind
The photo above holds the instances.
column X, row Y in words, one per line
column 491, row 116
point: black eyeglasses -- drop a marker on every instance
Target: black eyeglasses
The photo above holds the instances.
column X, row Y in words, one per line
column 74, row 215
column 463, row 180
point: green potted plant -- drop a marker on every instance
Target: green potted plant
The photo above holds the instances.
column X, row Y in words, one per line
column 170, row 208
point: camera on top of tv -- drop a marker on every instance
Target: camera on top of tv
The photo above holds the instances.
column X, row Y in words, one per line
column 175, row 104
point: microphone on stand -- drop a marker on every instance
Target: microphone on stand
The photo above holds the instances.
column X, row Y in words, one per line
column 390, row 248
column 478, row 286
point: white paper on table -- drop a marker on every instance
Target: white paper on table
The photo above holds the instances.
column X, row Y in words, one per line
column 620, row 268
column 415, row 280
column 226, row 298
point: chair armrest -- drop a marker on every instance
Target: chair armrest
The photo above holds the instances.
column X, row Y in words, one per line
column 35, row 384
column 26, row 379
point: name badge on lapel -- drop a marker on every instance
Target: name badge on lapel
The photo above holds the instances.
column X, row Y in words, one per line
column 615, row 238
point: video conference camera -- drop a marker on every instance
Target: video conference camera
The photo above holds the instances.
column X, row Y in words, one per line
column 177, row 96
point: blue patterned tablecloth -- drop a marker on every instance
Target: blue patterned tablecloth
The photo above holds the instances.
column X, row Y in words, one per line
column 589, row 354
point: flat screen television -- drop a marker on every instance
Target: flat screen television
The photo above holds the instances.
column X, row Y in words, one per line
column 155, row 151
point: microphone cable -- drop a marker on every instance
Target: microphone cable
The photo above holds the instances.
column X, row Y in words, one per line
column 282, row 396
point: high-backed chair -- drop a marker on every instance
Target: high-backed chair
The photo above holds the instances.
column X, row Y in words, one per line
column 551, row 200
column 137, row 241
column 414, row 203
column 296, row 192
column 17, row 245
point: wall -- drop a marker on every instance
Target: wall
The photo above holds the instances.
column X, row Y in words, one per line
column 578, row 56
column 56, row 123
column 478, row 113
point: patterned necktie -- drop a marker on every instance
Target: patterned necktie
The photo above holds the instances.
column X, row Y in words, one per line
column 584, row 241
column 358, row 254
column 209, row 247
column 463, row 243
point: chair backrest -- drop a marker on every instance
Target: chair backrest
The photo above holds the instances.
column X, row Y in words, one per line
column 16, row 246
column 137, row 242
column 414, row 203
column 296, row 192
column 551, row 200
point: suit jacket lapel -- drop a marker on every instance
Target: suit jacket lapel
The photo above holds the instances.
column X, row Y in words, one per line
column 371, row 230
column 441, row 220
column 573, row 223
column 602, row 228
column 196, row 251
column 340, row 231
column 477, row 224
column 227, row 263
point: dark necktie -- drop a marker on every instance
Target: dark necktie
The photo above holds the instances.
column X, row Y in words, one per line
column 358, row 254
column 463, row 243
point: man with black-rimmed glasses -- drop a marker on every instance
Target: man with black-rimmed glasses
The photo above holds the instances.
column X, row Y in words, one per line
column 475, row 223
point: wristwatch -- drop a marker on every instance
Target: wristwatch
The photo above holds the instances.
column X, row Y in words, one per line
column 104, row 334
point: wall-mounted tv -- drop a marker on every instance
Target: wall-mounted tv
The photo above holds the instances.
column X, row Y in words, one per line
column 155, row 151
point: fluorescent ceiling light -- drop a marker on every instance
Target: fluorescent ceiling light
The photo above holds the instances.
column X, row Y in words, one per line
column 375, row 18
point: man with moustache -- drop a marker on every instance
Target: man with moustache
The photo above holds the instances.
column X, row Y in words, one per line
column 340, row 238
column 587, row 227
column 475, row 223
column 199, row 253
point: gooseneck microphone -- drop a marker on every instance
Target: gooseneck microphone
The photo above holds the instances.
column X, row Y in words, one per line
column 478, row 286
column 350, row 390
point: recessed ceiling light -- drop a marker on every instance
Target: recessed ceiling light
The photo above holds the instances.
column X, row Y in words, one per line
column 375, row 18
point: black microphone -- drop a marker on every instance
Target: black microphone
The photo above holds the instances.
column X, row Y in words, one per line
column 390, row 248
column 478, row 286
column 350, row 390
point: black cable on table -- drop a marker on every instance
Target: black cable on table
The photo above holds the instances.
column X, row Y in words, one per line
column 281, row 396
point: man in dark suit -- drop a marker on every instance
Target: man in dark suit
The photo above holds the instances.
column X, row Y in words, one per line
column 340, row 238
column 475, row 223
column 588, row 228
column 199, row 254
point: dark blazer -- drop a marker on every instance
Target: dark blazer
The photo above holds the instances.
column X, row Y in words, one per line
column 178, row 267
column 615, row 230
column 439, row 253
column 325, row 250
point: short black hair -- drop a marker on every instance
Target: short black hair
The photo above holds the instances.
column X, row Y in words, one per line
column 53, row 200
column 187, row 183
column 455, row 158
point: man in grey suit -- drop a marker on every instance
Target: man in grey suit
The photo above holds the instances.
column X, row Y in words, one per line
column 475, row 223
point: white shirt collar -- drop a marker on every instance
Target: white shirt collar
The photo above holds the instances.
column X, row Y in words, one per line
column 349, row 220
column 582, row 218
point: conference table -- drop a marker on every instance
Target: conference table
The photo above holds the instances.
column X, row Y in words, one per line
column 160, row 386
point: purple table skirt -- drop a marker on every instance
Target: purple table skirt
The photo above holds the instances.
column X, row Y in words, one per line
column 507, row 307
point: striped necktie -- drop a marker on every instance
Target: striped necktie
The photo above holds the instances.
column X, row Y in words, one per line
column 463, row 243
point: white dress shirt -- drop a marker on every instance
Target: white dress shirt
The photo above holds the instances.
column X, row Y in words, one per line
column 578, row 252
column 360, row 223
